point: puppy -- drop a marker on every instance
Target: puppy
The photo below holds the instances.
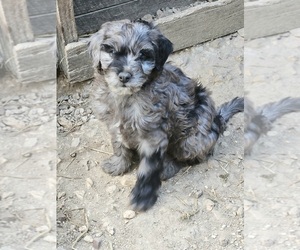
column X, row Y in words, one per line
column 151, row 107
column 259, row 121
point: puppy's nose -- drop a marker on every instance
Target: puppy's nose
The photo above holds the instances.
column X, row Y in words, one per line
column 124, row 77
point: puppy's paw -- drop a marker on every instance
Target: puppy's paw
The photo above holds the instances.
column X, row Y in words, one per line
column 116, row 165
column 170, row 168
column 143, row 198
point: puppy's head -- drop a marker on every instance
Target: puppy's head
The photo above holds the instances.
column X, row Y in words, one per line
column 129, row 54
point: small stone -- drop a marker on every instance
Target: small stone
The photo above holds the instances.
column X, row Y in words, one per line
column 88, row 238
column 64, row 122
column 61, row 195
column 111, row 189
column 294, row 211
column 82, row 229
column 110, row 230
column 272, row 133
column 80, row 194
column 226, row 133
column 196, row 193
column 6, row 195
column 89, row 183
column 209, row 204
column 13, row 122
column 129, row 214
column 37, row 194
column 240, row 211
column 73, row 155
column 43, row 228
column 96, row 243
column 127, row 181
column 295, row 32
column 223, row 241
column 148, row 18
column 50, row 238
column 241, row 32
column 75, row 142
column 30, row 142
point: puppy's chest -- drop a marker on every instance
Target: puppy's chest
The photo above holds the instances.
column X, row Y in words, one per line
column 136, row 121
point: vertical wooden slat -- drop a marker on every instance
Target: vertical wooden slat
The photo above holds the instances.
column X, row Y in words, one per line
column 66, row 21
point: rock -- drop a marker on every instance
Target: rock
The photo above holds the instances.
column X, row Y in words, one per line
column 6, row 195
column 75, row 142
column 129, row 214
column 240, row 211
column 209, row 204
column 80, row 194
column 43, row 228
column 295, row 32
column 13, row 122
column 127, row 181
column 61, row 195
column 50, row 238
column 82, row 229
column 30, row 142
column 37, row 194
column 110, row 230
column 111, row 189
column 226, row 133
column 88, row 238
column 89, row 183
column 96, row 243
column 148, row 18
column 64, row 122
column 241, row 32
column 294, row 211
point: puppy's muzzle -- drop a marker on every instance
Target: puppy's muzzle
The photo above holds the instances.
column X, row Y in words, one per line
column 124, row 77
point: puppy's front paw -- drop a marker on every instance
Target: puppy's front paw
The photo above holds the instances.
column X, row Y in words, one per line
column 116, row 165
column 143, row 197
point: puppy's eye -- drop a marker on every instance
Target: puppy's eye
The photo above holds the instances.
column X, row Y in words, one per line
column 108, row 48
column 146, row 55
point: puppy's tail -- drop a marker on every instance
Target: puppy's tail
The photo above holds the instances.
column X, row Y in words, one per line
column 229, row 109
column 274, row 110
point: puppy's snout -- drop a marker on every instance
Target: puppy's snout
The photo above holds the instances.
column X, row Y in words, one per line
column 124, row 77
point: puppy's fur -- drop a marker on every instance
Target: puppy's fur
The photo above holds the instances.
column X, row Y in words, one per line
column 150, row 107
column 259, row 121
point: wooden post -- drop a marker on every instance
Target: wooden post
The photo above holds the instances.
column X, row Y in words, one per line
column 73, row 54
column 27, row 59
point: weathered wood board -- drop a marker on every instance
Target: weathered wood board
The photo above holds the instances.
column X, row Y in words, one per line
column 203, row 22
column 42, row 14
column 90, row 14
column 265, row 18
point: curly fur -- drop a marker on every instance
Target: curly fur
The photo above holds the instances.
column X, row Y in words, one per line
column 259, row 121
column 151, row 108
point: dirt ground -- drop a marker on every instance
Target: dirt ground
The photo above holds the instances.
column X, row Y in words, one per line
column 27, row 165
column 201, row 207
column 272, row 172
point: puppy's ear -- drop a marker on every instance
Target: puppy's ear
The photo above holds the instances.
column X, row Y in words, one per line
column 94, row 46
column 163, row 50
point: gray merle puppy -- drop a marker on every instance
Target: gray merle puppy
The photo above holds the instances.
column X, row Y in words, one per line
column 151, row 108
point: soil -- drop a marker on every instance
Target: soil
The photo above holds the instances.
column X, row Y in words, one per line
column 272, row 171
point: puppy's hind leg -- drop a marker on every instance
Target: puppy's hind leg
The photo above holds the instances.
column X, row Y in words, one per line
column 152, row 151
column 170, row 167
column 121, row 161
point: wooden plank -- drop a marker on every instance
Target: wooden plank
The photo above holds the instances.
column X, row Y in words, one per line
column 91, row 14
column 43, row 24
column 78, row 62
column 42, row 14
column 35, row 61
column 203, row 22
column 16, row 20
column 265, row 18
column 66, row 22
column 39, row 7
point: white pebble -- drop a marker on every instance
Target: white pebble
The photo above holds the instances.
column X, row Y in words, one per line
column 129, row 214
